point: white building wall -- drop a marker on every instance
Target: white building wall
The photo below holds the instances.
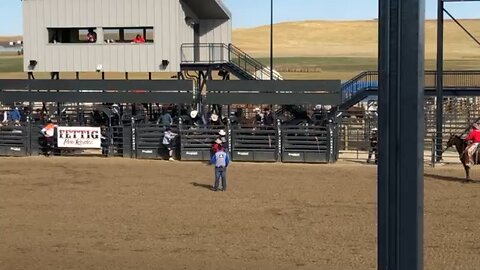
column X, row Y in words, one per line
column 217, row 32
column 166, row 16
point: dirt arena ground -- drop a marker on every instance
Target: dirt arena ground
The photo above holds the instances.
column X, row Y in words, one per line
column 93, row 213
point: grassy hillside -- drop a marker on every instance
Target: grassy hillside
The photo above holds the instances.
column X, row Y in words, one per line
column 347, row 39
column 9, row 38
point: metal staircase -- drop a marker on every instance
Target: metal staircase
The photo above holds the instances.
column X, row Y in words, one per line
column 456, row 83
column 227, row 57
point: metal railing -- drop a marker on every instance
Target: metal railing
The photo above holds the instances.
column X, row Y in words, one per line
column 454, row 79
column 228, row 54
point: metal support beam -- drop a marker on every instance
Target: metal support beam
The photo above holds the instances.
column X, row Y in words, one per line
column 439, row 83
column 271, row 39
column 401, row 131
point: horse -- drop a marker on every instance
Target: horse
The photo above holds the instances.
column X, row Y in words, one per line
column 460, row 145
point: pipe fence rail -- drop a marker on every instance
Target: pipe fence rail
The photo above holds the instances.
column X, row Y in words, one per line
column 276, row 143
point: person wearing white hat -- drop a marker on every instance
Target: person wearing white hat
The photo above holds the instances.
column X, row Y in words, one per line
column 214, row 120
column 473, row 140
column 216, row 145
column 196, row 119
column 193, row 114
column 223, row 136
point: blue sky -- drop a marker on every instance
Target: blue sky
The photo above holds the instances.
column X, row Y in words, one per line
column 248, row 13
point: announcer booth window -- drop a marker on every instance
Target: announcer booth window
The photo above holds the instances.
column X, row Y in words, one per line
column 128, row 35
column 72, row 35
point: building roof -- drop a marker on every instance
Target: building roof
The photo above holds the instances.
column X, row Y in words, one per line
column 209, row 9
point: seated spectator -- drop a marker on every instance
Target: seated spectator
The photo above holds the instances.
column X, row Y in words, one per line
column 91, row 36
column 138, row 39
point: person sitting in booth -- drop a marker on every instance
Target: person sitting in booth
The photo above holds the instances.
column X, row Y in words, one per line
column 138, row 39
column 91, row 36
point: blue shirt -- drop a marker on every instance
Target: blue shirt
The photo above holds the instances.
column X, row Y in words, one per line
column 220, row 159
column 15, row 115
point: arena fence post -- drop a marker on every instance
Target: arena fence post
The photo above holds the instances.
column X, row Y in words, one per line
column 28, row 138
column 332, row 143
column 433, row 148
column 229, row 134
column 279, row 150
column 133, row 139
column 127, row 141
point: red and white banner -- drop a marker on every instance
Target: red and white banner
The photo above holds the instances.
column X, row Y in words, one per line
column 79, row 137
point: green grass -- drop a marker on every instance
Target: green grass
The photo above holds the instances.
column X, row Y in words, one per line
column 10, row 63
column 342, row 68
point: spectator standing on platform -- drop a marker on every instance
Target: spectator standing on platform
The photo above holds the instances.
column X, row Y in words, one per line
column 268, row 118
column 258, row 117
column 16, row 116
column 165, row 119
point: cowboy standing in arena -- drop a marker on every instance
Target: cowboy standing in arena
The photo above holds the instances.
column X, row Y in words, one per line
column 473, row 139
column 220, row 141
column 220, row 160
column 373, row 145
column 48, row 132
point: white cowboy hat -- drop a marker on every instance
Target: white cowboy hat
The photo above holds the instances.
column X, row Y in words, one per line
column 374, row 129
column 214, row 117
column 193, row 114
column 218, row 141
column 256, row 109
column 222, row 132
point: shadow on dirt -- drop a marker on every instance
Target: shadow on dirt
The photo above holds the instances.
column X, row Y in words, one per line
column 450, row 178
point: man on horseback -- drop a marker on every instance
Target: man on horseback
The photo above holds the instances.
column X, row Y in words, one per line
column 473, row 139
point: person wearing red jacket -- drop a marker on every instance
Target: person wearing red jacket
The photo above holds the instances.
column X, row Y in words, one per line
column 473, row 139
column 138, row 39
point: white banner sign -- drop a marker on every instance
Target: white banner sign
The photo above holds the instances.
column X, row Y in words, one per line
column 79, row 137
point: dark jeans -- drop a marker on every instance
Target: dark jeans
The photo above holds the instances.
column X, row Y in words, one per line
column 221, row 172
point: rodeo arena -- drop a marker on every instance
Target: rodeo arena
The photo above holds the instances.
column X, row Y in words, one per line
column 220, row 95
